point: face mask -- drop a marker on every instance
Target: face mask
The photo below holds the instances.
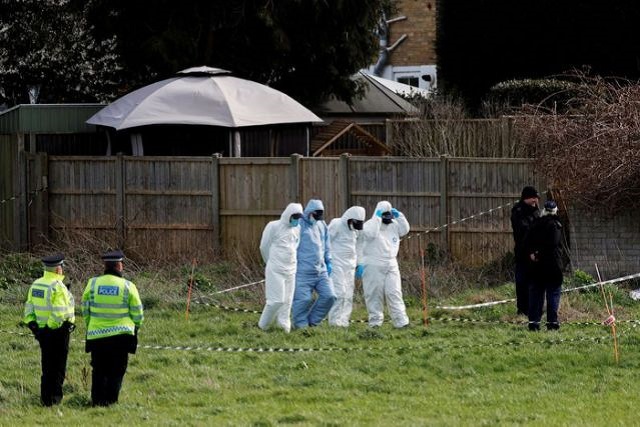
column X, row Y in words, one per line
column 387, row 217
column 356, row 224
column 312, row 220
column 294, row 220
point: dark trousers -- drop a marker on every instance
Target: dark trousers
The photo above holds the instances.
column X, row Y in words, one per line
column 537, row 297
column 54, row 346
column 109, row 367
column 523, row 283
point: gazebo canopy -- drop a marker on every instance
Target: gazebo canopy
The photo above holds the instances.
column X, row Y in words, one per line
column 203, row 96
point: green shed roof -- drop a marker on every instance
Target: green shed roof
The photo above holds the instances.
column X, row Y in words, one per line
column 48, row 118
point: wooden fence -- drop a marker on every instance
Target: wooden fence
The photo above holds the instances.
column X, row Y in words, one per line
column 198, row 206
column 494, row 138
column 459, row 138
column 12, row 191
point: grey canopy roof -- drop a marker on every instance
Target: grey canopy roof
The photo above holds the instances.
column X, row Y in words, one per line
column 203, row 96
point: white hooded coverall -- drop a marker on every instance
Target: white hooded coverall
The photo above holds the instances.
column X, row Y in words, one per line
column 344, row 260
column 278, row 247
column 381, row 277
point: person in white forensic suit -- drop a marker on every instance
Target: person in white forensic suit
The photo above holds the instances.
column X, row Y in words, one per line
column 278, row 247
column 343, row 234
column 381, row 277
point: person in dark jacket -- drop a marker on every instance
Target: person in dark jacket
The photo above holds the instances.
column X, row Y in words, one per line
column 523, row 214
column 545, row 251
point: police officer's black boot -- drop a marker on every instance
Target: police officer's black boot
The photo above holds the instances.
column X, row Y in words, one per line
column 553, row 326
column 534, row 326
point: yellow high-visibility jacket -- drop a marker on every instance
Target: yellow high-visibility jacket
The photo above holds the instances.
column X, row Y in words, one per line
column 111, row 306
column 49, row 302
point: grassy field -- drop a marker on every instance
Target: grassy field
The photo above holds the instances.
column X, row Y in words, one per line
column 449, row 373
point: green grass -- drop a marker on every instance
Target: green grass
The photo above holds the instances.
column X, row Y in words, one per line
column 447, row 374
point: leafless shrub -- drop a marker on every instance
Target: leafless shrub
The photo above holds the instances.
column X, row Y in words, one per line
column 160, row 280
column 82, row 252
column 445, row 128
column 592, row 150
column 447, row 277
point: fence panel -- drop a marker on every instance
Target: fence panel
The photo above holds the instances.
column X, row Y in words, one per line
column 252, row 193
column 9, row 188
column 411, row 185
column 82, row 197
column 478, row 185
column 168, row 206
column 322, row 179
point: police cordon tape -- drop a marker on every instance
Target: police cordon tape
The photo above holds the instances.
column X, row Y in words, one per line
column 445, row 307
column 490, row 303
column 436, row 319
column 432, row 346
column 416, row 234
column 227, row 308
column 463, row 307
column 17, row 196
column 458, row 221
column 10, row 199
column 238, row 287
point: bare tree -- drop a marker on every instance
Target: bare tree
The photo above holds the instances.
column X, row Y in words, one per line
column 591, row 151
column 445, row 128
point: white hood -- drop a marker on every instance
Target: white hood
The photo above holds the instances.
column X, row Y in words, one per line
column 354, row 212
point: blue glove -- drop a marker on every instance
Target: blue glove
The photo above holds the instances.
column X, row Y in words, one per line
column 359, row 271
column 395, row 212
column 379, row 213
column 329, row 268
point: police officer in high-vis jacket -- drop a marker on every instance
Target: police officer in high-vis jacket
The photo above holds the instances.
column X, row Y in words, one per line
column 112, row 311
column 49, row 314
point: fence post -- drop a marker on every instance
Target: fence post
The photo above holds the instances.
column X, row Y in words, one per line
column 295, row 176
column 505, row 138
column 215, row 201
column 444, row 201
column 40, row 210
column 22, row 212
column 344, row 178
column 388, row 135
column 120, row 200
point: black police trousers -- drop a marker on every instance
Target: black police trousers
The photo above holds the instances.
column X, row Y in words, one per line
column 109, row 359
column 54, row 347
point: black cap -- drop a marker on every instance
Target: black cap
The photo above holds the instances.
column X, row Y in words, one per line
column 53, row 260
column 550, row 205
column 113, row 256
column 529, row 192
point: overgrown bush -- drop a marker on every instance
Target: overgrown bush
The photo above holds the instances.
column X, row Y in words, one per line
column 551, row 93
column 581, row 278
column 17, row 269
column 590, row 148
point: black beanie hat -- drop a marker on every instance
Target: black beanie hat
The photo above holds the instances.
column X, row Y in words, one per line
column 528, row 192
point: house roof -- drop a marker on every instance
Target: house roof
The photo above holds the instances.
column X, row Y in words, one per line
column 376, row 100
column 401, row 88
